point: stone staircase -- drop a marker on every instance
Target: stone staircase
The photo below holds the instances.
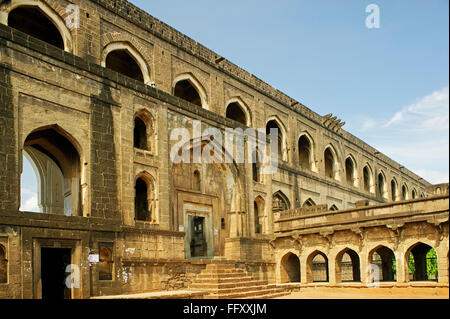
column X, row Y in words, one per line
column 225, row 281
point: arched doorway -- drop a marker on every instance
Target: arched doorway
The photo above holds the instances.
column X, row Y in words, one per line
column 422, row 263
column 317, row 267
column 305, row 153
column 383, row 259
column 348, row 266
column 290, row 268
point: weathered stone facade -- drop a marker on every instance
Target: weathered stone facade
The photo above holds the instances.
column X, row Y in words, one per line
column 56, row 101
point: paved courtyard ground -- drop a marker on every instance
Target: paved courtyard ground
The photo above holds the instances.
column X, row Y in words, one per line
column 370, row 293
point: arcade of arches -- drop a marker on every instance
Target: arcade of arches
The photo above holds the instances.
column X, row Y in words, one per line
column 98, row 140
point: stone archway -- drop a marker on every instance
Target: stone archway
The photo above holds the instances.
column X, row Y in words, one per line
column 290, row 268
column 218, row 208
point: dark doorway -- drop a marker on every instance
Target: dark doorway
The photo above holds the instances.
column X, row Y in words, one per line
column 198, row 242
column 54, row 262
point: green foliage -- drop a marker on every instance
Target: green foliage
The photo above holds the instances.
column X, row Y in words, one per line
column 432, row 266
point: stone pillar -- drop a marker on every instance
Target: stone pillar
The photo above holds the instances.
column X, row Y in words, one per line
column 401, row 270
column 303, row 270
column 332, row 270
column 443, row 264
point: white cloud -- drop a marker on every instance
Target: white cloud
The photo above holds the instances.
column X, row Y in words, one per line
column 416, row 136
column 30, row 201
column 428, row 113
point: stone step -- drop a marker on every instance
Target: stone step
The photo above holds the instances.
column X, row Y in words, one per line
column 220, row 266
column 236, row 289
column 223, row 278
column 226, row 285
column 254, row 294
column 218, row 275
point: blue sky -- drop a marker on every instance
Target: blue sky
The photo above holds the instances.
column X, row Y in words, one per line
column 322, row 54
column 390, row 85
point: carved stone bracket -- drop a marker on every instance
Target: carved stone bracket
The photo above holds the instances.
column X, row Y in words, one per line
column 297, row 239
column 397, row 229
column 328, row 235
column 359, row 231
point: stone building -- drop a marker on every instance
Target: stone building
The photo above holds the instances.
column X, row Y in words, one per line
column 91, row 92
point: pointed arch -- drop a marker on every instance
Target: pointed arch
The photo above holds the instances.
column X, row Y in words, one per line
column 197, row 181
column 280, row 202
column 331, row 162
column 238, row 111
column 144, row 131
column 274, row 122
column 405, row 192
column 317, row 267
column 259, row 207
column 32, row 7
column 187, row 87
column 421, row 262
column 382, row 191
column 308, row 203
column 333, row 208
column 351, row 171
column 383, row 258
column 414, row 194
column 394, row 190
column 306, row 152
column 348, row 266
column 122, row 57
column 146, row 198
column 290, row 268
column 56, row 157
column 368, row 183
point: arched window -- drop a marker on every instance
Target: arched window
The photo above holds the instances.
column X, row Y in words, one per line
column 280, row 202
column 3, row 265
column 196, row 185
column 348, row 266
column 367, row 176
column 140, row 134
column 145, row 200
column 185, row 90
column 290, row 268
column 330, row 165
column 384, row 260
column 404, row 192
column 275, row 125
column 422, row 263
column 381, row 186
column 56, row 162
column 414, row 194
column 309, row 203
column 305, row 153
column 256, row 217
column 105, row 265
column 393, row 190
column 123, row 62
column 236, row 113
column 256, row 165
column 333, row 208
column 32, row 21
column 350, row 171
